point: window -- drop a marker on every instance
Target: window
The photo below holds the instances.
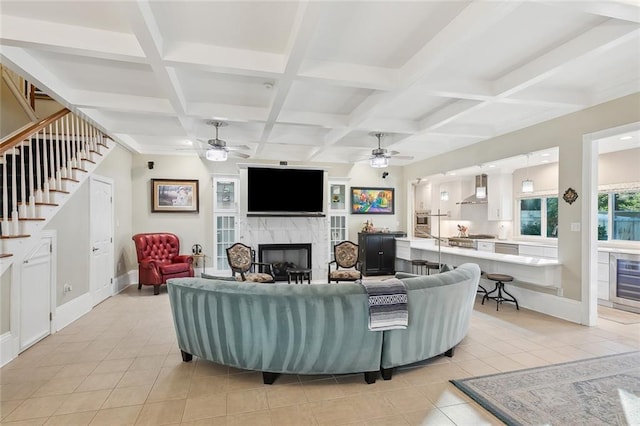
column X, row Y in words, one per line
column 619, row 216
column 539, row 216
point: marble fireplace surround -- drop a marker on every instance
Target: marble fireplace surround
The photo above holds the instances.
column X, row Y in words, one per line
column 291, row 230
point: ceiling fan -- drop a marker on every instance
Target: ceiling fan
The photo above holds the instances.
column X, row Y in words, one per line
column 380, row 156
column 217, row 149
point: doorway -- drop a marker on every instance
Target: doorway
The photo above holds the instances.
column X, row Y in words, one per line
column 101, row 264
column 36, row 292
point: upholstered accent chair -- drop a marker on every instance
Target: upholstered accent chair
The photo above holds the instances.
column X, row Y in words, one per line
column 159, row 259
column 242, row 260
column 347, row 263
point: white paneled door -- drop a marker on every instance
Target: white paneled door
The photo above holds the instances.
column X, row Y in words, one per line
column 101, row 237
column 35, row 294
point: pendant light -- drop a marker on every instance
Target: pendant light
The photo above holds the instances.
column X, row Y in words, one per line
column 527, row 184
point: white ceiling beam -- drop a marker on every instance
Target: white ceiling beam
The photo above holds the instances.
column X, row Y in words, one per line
column 224, row 59
column 447, row 114
column 624, row 10
column 312, row 119
column 478, row 90
column 72, row 40
column 149, row 36
column 349, row 75
column 539, row 96
column 121, row 102
column 227, row 112
column 591, row 43
column 300, row 37
column 475, row 19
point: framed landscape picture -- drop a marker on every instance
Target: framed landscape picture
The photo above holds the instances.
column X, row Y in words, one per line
column 174, row 196
column 365, row 200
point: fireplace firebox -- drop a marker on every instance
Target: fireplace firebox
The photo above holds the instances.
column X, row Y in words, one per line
column 284, row 256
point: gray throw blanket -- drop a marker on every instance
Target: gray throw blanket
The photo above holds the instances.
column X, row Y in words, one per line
column 387, row 304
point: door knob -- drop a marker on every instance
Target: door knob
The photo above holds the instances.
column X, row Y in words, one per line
column 95, row 249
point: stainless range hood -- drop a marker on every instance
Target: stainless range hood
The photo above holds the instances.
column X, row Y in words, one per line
column 481, row 182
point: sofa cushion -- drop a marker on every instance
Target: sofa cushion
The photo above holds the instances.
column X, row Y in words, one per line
column 214, row 277
column 345, row 274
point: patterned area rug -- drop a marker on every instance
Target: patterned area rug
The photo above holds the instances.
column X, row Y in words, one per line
column 596, row 391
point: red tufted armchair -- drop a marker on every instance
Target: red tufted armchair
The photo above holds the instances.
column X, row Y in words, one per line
column 159, row 259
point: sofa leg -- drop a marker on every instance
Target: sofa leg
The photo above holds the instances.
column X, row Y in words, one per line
column 156, row 289
column 386, row 373
column 186, row 357
column 370, row 377
column 449, row 353
column 268, row 378
column 139, row 286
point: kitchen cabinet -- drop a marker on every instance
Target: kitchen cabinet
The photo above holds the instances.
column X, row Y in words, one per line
column 500, row 197
column 377, row 252
column 603, row 275
column 538, row 251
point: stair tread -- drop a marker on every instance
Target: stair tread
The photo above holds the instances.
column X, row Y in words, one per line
column 41, row 203
column 10, row 237
column 3, row 255
column 59, row 190
column 70, row 179
column 79, row 169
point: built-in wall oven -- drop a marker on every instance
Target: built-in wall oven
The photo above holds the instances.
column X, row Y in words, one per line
column 422, row 225
column 624, row 282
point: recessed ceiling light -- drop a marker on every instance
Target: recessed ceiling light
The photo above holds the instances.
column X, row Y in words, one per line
column 626, row 138
column 491, row 166
column 545, row 154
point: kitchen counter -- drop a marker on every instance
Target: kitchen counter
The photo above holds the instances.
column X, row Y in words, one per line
column 538, row 271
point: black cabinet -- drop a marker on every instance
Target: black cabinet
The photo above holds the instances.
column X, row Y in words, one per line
column 378, row 252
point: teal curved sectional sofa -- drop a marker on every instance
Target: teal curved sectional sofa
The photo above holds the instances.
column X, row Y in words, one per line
column 318, row 328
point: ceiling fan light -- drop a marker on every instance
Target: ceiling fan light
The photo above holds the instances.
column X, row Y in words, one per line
column 444, row 195
column 527, row 186
column 379, row 161
column 216, row 155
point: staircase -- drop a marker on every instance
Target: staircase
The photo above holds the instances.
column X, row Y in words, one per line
column 40, row 169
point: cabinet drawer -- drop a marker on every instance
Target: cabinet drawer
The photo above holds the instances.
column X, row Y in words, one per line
column 484, row 246
column 535, row 251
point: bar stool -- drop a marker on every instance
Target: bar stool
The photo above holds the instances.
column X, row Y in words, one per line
column 480, row 286
column 417, row 266
column 500, row 279
column 432, row 266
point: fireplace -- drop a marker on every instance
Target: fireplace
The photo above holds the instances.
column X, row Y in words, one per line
column 283, row 256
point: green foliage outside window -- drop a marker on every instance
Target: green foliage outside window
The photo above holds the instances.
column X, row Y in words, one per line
column 552, row 217
column 530, row 216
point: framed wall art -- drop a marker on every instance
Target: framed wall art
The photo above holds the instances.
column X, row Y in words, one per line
column 365, row 200
column 174, row 196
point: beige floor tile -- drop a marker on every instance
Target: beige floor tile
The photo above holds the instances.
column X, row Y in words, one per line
column 117, row 416
column 100, row 381
column 374, row 405
column 444, row 394
column 161, row 413
column 23, row 375
column 59, row 386
column 333, row 412
column 285, row 395
column 208, row 385
column 169, row 388
column 7, row 407
column 292, row 415
column 83, row 401
column 408, row 399
column 73, row 419
column 387, row 421
column 467, row 414
column 428, row 417
column 138, row 378
column 501, row 363
column 478, row 367
column 152, row 362
column 261, row 418
column 121, row 397
column 30, row 422
column 205, row 407
column 245, row 401
column 77, row 370
column 245, row 380
column 37, row 407
column 322, row 390
column 22, row 390
column 113, row 366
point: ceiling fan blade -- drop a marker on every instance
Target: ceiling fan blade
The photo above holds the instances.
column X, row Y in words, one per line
column 238, row 154
column 238, row 147
column 403, row 157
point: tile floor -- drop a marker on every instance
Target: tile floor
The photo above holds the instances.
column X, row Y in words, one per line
column 119, row 364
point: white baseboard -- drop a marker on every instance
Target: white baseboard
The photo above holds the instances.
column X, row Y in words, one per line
column 8, row 345
column 72, row 310
column 559, row 307
column 124, row 281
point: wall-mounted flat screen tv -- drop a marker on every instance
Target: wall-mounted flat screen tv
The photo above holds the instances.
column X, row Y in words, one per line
column 285, row 192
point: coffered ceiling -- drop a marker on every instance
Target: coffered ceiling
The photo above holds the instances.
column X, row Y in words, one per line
column 311, row 80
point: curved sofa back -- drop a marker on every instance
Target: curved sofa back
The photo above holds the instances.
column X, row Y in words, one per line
column 279, row 328
column 440, row 308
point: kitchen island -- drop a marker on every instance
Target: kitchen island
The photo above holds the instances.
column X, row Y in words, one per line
column 526, row 270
